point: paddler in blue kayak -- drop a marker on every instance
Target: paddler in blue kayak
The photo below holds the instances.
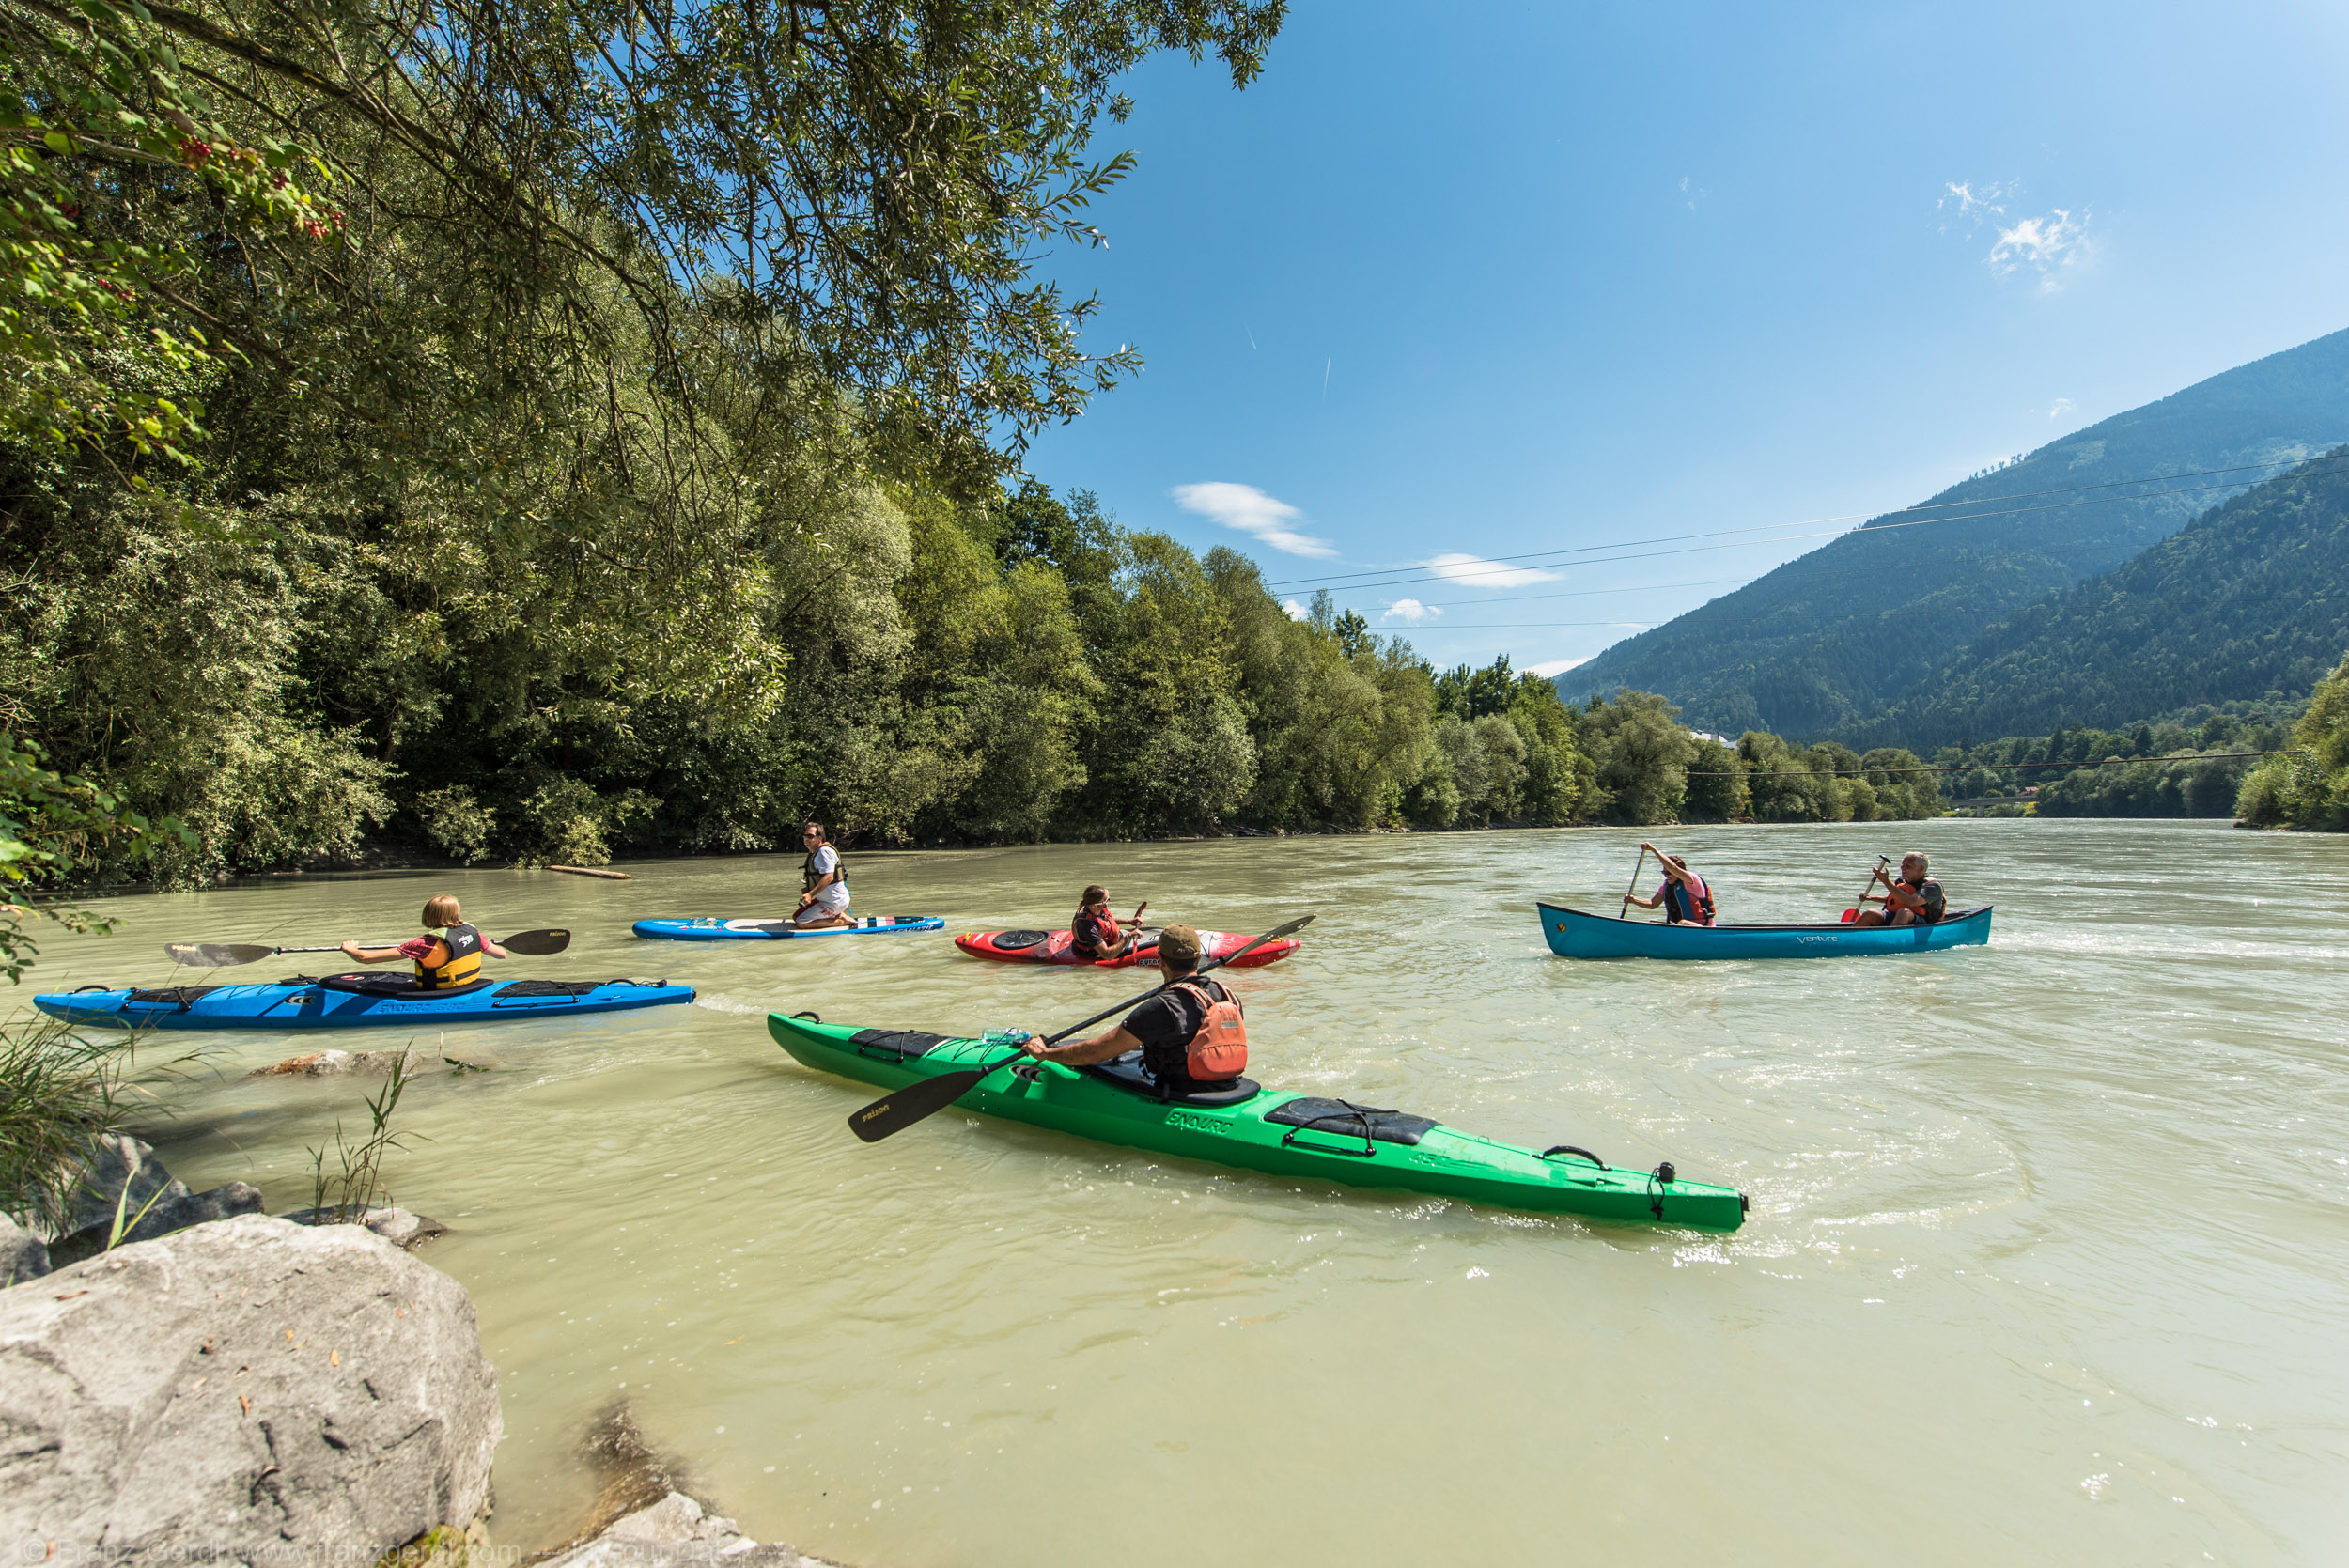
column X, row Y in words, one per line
column 1189, row 1032
column 1095, row 933
column 823, row 882
column 447, row 955
column 1686, row 899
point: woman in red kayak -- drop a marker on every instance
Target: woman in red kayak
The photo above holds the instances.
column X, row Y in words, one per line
column 1683, row 894
column 1095, row 933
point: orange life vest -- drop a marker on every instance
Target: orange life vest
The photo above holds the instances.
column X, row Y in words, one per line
column 1219, row 1047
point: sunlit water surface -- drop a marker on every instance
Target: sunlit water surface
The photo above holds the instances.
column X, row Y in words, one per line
column 2049, row 1258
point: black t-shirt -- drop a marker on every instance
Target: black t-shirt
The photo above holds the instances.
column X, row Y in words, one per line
column 1165, row 1024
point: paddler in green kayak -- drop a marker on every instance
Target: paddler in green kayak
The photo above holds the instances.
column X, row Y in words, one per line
column 447, row 955
column 1191, row 1033
column 823, row 882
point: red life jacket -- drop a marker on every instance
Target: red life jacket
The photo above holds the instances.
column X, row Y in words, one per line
column 1220, row 1049
column 1091, row 930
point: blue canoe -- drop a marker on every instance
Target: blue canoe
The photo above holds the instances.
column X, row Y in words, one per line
column 349, row 1001
column 1573, row 934
column 711, row 928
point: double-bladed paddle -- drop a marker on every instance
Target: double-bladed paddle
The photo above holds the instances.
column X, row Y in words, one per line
column 894, row 1112
column 222, row 956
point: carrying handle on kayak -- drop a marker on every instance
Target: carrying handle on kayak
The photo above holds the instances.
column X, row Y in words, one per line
column 1574, row 1149
column 1368, row 1151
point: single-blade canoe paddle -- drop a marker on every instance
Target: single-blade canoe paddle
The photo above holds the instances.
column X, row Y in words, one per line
column 222, row 956
column 1853, row 913
column 896, row 1111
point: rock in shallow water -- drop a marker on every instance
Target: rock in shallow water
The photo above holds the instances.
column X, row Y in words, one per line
column 249, row 1392
column 395, row 1225
column 676, row 1531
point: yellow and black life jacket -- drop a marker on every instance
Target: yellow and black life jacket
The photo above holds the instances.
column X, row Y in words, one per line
column 454, row 960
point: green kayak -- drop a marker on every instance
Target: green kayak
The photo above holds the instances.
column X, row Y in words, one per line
column 1273, row 1130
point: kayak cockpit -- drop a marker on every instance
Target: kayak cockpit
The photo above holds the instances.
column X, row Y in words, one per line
column 1127, row 1073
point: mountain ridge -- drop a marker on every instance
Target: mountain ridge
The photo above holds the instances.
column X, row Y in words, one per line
column 1792, row 651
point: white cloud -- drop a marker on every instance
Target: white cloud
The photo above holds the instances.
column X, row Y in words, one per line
column 1558, row 666
column 2061, row 407
column 1474, row 572
column 2046, row 245
column 1409, row 609
column 1251, row 511
column 1968, row 204
column 1293, row 610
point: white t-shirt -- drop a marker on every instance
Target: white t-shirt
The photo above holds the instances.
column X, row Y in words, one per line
column 832, row 895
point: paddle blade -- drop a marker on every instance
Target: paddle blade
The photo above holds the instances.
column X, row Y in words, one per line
column 215, row 955
column 1849, row 915
column 536, row 944
column 894, row 1112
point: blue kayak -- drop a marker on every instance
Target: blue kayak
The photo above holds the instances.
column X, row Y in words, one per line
column 1573, row 934
column 349, row 1001
column 710, row 928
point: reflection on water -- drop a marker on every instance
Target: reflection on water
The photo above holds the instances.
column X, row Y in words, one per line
column 2047, row 1258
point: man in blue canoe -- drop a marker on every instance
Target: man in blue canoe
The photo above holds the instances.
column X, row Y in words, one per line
column 1686, row 899
column 823, row 882
column 1914, row 900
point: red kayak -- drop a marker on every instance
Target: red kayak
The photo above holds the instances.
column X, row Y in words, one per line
column 1057, row 947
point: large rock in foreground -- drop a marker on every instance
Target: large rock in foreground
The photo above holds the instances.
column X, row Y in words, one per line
column 245, row 1392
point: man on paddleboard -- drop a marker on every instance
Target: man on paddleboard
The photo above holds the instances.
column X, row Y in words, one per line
column 447, row 955
column 1095, row 933
column 1915, row 899
column 1189, row 1032
column 1683, row 894
column 823, row 880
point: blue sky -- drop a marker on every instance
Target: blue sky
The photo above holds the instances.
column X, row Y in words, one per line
column 1478, row 281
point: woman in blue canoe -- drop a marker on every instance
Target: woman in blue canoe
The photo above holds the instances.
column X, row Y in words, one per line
column 1686, row 899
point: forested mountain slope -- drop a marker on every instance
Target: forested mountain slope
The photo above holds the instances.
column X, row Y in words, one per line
column 1831, row 638
column 2248, row 601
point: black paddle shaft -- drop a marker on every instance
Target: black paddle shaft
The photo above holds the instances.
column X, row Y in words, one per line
column 894, row 1112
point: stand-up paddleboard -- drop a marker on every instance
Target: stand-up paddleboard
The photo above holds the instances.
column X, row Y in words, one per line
column 714, row 928
column 349, row 1001
column 1059, row 947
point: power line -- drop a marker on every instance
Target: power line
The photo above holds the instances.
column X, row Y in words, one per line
column 1495, row 565
column 1975, row 766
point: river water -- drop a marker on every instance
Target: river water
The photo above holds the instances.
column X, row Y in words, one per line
column 2048, row 1257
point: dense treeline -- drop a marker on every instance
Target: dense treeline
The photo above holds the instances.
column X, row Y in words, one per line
column 2156, row 768
column 2309, row 788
